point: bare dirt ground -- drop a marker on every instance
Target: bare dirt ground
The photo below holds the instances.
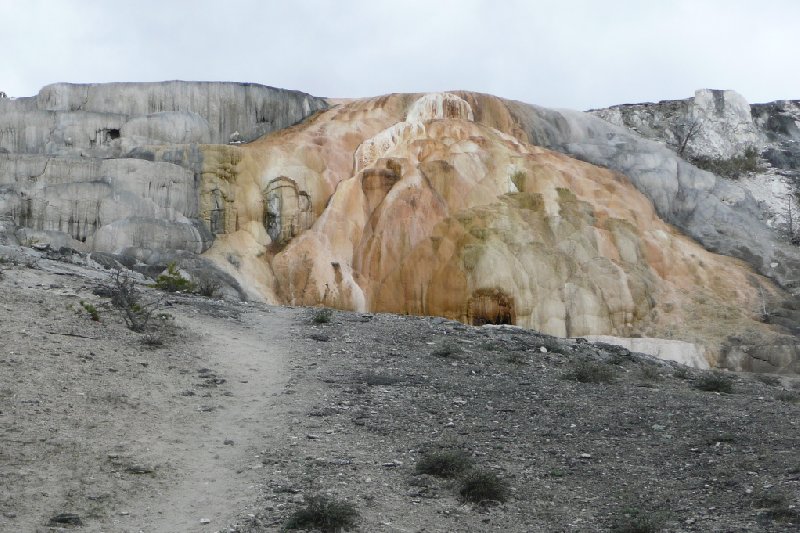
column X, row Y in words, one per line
column 130, row 437
column 247, row 411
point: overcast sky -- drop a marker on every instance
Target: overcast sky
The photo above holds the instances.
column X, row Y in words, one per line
column 563, row 53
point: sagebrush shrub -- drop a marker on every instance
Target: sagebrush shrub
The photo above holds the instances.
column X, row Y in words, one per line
column 325, row 514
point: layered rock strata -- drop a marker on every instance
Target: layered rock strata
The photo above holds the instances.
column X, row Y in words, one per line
column 78, row 163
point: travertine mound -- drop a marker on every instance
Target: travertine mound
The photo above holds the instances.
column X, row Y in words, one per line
column 448, row 204
column 436, row 204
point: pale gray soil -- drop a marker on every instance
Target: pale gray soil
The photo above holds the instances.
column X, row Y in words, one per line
column 246, row 411
column 84, row 406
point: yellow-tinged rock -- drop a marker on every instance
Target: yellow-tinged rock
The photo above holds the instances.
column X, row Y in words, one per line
column 436, row 204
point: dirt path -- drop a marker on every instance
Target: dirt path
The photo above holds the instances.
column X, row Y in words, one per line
column 220, row 463
column 131, row 438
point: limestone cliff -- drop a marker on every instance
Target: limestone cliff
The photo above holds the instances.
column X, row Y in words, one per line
column 78, row 168
column 111, row 118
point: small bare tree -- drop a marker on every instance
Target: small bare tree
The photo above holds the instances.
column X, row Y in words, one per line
column 794, row 238
column 686, row 131
column 126, row 297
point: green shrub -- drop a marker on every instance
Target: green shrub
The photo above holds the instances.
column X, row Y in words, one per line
column 446, row 349
column 768, row 379
column 92, row 310
column 634, row 520
column 447, row 464
column 516, row 358
column 173, row 281
column 322, row 316
column 480, row 487
column 681, row 372
column 778, row 505
column 650, row 373
column 788, row 396
column 375, row 379
column 591, row 372
column 733, row 167
column 713, row 440
column 125, row 297
column 327, row 515
column 714, row 382
column 207, row 286
column 153, row 339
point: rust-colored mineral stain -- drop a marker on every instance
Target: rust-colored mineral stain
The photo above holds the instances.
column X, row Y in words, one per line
column 491, row 306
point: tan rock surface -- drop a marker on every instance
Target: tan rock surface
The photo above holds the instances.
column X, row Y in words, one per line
column 436, row 204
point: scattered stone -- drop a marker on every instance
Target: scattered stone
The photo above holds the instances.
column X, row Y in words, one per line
column 228, row 442
column 66, row 519
column 139, row 469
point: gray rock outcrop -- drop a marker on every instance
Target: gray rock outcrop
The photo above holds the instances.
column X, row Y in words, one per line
column 719, row 131
column 109, row 119
column 78, row 164
column 713, row 124
column 722, row 216
column 109, row 205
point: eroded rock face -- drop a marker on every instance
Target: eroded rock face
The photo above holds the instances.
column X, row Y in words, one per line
column 461, row 217
column 448, row 204
column 718, row 125
column 108, row 205
column 720, row 214
column 110, row 118
column 287, row 210
column 123, row 167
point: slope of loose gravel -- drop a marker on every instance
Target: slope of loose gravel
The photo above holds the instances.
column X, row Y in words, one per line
column 246, row 411
column 577, row 457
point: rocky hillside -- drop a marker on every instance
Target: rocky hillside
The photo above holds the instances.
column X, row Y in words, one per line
column 460, row 205
column 720, row 126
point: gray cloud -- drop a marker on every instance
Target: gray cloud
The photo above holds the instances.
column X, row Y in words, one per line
column 567, row 53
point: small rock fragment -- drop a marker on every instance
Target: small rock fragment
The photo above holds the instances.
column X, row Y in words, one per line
column 70, row 519
column 140, row 469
